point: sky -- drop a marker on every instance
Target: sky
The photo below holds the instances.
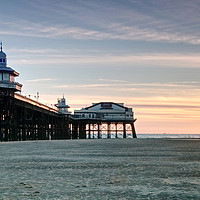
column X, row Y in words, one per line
column 143, row 53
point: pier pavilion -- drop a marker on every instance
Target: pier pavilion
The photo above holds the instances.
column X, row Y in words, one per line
column 105, row 120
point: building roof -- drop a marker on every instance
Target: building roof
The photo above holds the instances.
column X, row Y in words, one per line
column 3, row 66
column 2, row 54
column 9, row 70
column 95, row 104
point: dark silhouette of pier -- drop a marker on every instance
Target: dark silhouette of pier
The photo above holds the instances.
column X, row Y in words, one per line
column 24, row 119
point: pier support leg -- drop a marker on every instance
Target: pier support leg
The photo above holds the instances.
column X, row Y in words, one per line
column 93, row 128
column 108, row 134
column 82, row 131
column 75, row 131
column 99, row 131
column 89, row 131
column 124, row 128
column 116, row 136
column 133, row 131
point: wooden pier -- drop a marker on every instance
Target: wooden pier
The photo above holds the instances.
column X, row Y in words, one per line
column 24, row 119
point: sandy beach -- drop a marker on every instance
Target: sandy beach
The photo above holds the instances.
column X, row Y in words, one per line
column 100, row 169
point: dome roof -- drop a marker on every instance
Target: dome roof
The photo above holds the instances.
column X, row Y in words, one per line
column 2, row 54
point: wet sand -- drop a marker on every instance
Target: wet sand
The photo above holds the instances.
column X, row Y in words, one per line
column 101, row 169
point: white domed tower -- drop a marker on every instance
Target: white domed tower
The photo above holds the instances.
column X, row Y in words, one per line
column 62, row 107
column 7, row 74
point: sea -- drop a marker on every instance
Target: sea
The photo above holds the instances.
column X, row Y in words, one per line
column 168, row 135
column 150, row 167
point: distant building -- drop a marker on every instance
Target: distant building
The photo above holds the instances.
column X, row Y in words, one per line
column 7, row 74
column 105, row 111
column 62, row 107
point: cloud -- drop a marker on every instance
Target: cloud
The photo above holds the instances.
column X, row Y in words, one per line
column 83, row 86
column 164, row 106
column 112, row 31
column 112, row 80
column 186, row 82
column 39, row 80
column 51, row 51
column 34, row 51
column 140, row 87
column 156, row 59
column 157, row 21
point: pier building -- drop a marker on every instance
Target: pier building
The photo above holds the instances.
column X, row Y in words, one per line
column 62, row 107
column 7, row 75
column 105, row 120
column 105, row 111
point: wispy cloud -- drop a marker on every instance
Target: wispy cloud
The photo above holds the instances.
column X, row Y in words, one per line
column 189, row 60
column 112, row 80
column 140, row 86
column 150, row 34
column 185, row 82
column 83, row 86
column 113, row 31
column 34, row 51
column 165, row 106
column 40, row 80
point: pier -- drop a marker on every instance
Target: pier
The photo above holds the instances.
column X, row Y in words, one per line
column 22, row 118
column 26, row 119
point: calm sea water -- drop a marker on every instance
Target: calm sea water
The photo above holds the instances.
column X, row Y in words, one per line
column 142, row 168
column 104, row 136
column 168, row 135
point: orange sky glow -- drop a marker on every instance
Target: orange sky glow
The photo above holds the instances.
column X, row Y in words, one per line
column 155, row 115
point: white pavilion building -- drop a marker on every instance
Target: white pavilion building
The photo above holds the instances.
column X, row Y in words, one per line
column 105, row 111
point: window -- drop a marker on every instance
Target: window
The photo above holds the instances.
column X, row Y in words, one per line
column 6, row 77
column 4, row 60
column 12, row 79
column 0, row 60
